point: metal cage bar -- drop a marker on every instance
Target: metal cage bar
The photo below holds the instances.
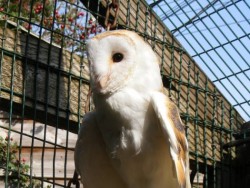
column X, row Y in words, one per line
column 44, row 81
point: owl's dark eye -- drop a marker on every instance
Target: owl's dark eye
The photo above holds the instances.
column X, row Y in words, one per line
column 117, row 57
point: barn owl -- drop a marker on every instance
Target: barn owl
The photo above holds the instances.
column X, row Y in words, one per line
column 134, row 138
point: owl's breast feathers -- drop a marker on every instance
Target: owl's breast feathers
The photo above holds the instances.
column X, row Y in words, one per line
column 141, row 139
column 139, row 125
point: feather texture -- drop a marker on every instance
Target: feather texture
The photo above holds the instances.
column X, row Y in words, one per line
column 134, row 137
column 173, row 129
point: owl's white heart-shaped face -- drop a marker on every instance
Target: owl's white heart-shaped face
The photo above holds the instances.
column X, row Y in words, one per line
column 111, row 60
column 121, row 58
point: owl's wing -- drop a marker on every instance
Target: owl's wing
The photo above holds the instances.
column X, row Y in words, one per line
column 174, row 131
column 91, row 160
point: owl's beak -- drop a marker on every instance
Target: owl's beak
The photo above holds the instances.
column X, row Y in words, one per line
column 102, row 82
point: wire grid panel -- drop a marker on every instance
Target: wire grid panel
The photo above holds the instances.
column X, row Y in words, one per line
column 43, row 90
column 216, row 34
column 44, row 78
column 53, row 74
column 48, row 152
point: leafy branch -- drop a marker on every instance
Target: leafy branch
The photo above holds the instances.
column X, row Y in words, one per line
column 66, row 23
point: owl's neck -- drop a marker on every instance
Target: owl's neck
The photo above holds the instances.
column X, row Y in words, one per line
column 126, row 101
column 121, row 119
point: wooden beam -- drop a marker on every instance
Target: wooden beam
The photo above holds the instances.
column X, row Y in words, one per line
column 41, row 81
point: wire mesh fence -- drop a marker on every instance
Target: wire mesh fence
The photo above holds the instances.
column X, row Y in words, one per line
column 216, row 34
column 44, row 85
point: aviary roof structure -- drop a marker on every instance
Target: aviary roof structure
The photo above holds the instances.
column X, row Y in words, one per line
column 216, row 33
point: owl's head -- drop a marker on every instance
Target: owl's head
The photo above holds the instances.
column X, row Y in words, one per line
column 120, row 59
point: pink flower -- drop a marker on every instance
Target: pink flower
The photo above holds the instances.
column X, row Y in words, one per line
column 70, row 19
column 81, row 14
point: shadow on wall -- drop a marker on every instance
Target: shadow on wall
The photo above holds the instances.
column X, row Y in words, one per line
column 41, row 81
column 242, row 161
